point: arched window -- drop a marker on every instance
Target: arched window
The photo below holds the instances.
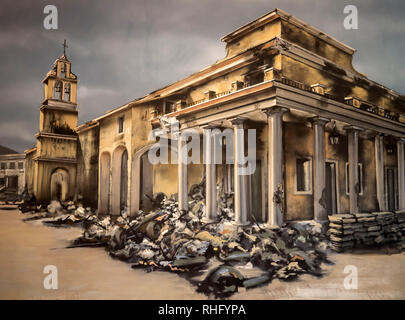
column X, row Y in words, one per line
column 58, row 90
column 67, row 92
column 63, row 71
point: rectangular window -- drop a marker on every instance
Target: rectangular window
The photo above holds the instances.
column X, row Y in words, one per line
column 3, row 165
column 303, row 181
column 11, row 165
column 21, row 165
column 360, row 173
column 120, row 124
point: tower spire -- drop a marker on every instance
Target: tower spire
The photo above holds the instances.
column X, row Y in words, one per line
column 64, row 47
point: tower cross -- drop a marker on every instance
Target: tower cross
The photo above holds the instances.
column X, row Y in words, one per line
column 64, row 47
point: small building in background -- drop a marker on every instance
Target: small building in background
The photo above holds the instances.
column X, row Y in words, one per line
column 12, row 171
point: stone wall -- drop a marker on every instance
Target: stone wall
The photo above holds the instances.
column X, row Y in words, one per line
column 366, row 229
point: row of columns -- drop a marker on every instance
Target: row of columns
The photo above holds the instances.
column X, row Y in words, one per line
column 401, row 173
column 379, row 164
column 275, row 171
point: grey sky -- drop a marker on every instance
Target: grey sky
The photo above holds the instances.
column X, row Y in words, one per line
column 121, row 50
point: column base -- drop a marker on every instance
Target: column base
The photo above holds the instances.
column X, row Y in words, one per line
column 240, row 224
column 271, row 226
column 208, row 220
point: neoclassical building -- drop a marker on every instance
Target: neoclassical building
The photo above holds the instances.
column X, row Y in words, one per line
column 328, row 139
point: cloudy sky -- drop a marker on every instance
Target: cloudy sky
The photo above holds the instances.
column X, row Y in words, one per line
column 121, row 50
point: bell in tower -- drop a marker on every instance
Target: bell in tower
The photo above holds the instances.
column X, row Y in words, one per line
column 60, row 83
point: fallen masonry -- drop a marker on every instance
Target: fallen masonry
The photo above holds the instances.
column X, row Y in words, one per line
column 218, row 258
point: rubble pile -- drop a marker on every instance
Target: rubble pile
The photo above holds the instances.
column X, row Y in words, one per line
column 217, row 257
column 366, row 229
column 182, row 242
column 9, row 197
column 57, row 213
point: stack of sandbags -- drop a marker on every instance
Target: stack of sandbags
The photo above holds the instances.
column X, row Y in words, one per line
column 341, row 228
column 388, row 227
column 349, row 230
column 367, row 229
column 400, row 215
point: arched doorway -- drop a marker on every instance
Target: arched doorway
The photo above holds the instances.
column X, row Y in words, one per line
column 137, row 176
column 60, row 185
column 124, row 180
column 145, row 183
column 119, row 180
column 143, row 178
column 104, row 198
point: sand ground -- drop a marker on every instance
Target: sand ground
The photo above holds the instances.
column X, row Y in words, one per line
column 90, row 273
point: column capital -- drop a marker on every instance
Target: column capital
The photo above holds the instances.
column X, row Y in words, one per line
column 374, row 134
column 209, row 126
column 238, row 121
column 319, row 120
column 401, row 140
column 276, row 111
column 353, row 128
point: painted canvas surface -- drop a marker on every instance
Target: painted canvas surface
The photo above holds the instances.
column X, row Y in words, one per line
column 208, row 150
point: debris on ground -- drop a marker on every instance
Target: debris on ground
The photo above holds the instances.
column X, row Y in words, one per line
column 217, row 257
column 222, row 256
column 57, row 213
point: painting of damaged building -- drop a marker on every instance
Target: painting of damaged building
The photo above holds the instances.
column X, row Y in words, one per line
column 328, row 155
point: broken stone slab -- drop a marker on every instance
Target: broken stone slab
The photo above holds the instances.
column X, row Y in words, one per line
column 236, row 256
column 54, row 206
column 258, row 281
column 206, row 236
column 190, row 262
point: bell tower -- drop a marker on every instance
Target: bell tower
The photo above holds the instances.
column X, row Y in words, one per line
column 56, row 150
column 59, row 105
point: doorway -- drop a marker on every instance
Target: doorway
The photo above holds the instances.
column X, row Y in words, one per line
column 331, row 189
column 391, row 188
column 59, row 185
column 146, row 183
column 256, row 189
column 124, row 180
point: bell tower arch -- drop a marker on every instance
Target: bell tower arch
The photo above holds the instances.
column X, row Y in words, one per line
column 57, row 139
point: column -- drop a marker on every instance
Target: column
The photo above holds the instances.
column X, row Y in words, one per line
column 275, row 162
column 211, row 176
column 353, row 150
column 182, row 173
column 401, row 173
column 240, row 199
column 379, row 170
column 320, row 213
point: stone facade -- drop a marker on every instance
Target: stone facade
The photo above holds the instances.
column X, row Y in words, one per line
column 328, row 139
column 12, row 172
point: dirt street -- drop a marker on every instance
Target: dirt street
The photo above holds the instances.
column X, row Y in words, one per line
column 89, row 273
